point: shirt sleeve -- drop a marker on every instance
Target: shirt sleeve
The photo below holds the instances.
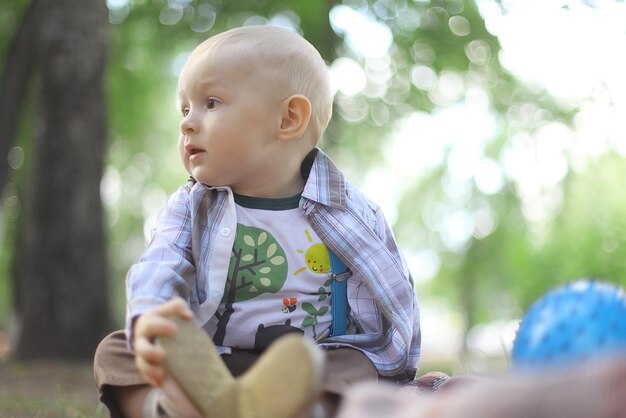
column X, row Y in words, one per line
column 166, row 269
column 386, row 235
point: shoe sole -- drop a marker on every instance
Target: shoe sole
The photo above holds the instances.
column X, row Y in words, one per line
column 283, row 383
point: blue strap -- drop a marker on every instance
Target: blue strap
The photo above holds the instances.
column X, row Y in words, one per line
column 339, row 290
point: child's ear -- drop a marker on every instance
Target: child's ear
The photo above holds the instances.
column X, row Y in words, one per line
column 296, row 114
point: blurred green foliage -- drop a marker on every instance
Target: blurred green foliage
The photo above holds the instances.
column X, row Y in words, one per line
column 508, row 259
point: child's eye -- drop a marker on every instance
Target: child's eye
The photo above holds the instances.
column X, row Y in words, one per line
column 184, row 111
column 212, row 103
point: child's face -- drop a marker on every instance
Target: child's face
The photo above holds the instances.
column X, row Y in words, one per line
column 230, row 122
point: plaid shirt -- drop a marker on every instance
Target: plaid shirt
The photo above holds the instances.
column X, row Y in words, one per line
column 191, row 248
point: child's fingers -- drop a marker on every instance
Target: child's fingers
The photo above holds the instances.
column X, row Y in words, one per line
column 152, row 325
column 156, row 322
column 149, row 360
column 154, row 374
column 151, row 353
column 150, row 357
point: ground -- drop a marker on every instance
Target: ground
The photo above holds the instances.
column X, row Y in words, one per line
column 48, row 390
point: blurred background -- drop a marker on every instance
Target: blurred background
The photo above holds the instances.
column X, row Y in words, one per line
column 491, row 132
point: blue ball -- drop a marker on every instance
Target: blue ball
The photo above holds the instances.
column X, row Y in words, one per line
column 572, row 324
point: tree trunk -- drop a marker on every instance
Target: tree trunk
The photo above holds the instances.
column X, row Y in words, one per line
column 16, row 75
column 64, row 310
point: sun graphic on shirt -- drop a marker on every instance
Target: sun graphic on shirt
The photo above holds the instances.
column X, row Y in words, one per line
column 316, row 257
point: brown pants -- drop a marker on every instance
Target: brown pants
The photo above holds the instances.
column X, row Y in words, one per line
column 114, row 366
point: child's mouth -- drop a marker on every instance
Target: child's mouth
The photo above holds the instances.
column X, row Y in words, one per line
column 195, row 154
column 191, row 150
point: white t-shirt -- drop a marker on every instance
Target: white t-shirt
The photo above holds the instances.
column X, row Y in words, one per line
column 278, row 278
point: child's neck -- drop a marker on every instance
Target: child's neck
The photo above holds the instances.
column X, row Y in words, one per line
column 275, row 188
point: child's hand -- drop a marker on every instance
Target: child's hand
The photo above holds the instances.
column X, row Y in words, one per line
column 149, row 357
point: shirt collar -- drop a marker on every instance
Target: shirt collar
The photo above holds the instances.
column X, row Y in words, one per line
column 325, row 183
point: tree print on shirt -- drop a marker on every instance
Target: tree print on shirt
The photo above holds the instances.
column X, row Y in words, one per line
column 257, row 265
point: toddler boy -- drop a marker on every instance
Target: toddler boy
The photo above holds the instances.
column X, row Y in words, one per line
column 245, row 247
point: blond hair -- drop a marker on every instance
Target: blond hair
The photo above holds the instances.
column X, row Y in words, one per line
column 290, row 63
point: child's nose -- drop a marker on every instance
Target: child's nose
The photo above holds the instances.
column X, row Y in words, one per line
column 188, row 125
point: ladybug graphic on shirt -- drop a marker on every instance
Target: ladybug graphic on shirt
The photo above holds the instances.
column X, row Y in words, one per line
column 289, row 305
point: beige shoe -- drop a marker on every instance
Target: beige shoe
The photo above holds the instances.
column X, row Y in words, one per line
column 194, row 363
column 283, row 383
